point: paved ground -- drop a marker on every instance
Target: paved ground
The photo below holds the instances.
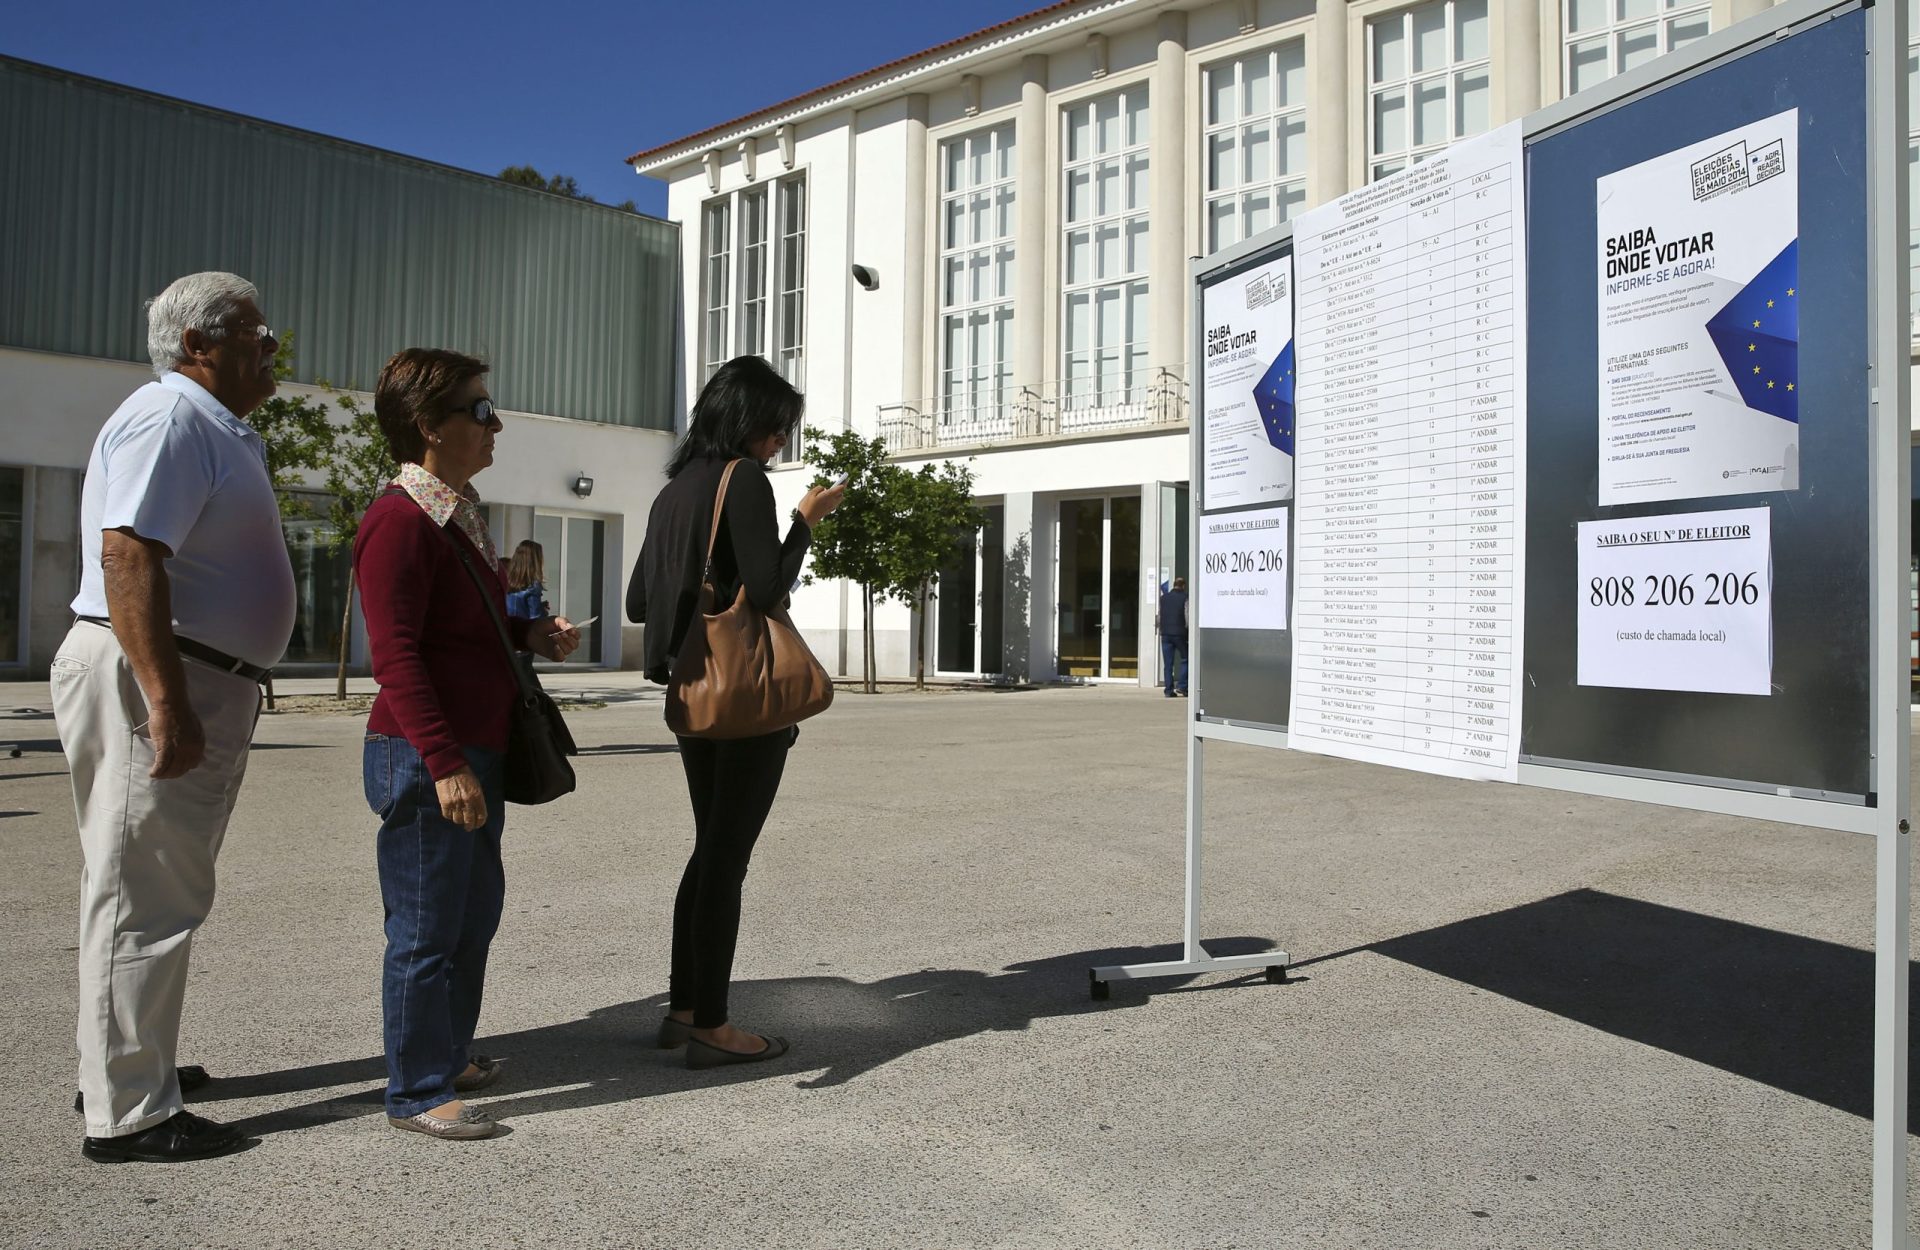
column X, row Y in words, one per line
column 1521, row 1019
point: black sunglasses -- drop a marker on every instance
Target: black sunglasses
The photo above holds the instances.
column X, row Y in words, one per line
column 481, row 410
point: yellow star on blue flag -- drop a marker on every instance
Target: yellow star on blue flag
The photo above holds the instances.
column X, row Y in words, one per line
column 1758, row 336
column 1273, row 394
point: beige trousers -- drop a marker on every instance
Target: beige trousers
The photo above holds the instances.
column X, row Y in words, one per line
column 147, row 882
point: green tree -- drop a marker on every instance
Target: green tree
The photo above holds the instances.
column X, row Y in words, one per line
column 558, row 184
column 892, row 532
column 933, row 516
column 358, row 469
column 851, row 542
column 296, row 433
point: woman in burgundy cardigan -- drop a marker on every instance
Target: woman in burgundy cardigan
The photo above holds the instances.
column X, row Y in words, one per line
column 438, row 731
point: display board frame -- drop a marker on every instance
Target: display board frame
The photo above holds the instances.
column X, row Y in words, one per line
column 1881, row 810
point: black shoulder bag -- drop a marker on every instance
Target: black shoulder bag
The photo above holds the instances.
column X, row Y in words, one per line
column 538, row 742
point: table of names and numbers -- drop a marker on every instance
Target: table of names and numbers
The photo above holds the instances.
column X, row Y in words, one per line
column 1411, row 467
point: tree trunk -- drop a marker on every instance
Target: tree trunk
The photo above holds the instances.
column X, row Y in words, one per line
column 871, row 670
column 346, row 640
column 920, row 652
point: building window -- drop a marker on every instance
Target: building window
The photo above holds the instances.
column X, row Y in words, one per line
column 573, row 548
column 976, row 277
column 717, row 229
column 1256, row 142
column 320, row 566
column 790, row 317
column 13, row 563
column 1608, row 37
column 753, row 281
column 1104, row 251
column 1427, row 81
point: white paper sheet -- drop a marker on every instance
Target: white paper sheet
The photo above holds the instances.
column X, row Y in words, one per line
column 1680, row 602
column 1244, row 568
column 1699, row 318
column 1247, row 386
column 1411, row 467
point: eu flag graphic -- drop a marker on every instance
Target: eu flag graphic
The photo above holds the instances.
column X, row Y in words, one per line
column 1758, row 335
column 1273, row 393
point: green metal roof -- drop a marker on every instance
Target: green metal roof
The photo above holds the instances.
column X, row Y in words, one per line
column 107, row 194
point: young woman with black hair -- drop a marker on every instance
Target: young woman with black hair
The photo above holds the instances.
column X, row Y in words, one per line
column 745, row 412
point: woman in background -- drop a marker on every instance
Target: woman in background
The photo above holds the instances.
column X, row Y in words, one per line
column 526, row 577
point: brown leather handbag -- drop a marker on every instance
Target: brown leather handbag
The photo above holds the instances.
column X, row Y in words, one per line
column 741, row 672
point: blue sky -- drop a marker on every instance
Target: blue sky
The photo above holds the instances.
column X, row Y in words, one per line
column 566, row 87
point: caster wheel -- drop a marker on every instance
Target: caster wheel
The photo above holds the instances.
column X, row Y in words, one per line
column 1100, row 991
column 1277, row 974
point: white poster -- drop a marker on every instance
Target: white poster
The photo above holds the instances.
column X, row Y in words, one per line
column 1699, row 319
column 1681, row 602
column 1247, row 386
column 1409, row 540
column 1244, row 568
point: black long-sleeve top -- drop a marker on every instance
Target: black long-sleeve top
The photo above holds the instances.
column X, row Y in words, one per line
column 665, row 590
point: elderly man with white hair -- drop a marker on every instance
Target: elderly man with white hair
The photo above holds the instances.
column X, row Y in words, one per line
column 186, row 601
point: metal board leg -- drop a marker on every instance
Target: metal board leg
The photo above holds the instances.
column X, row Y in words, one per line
column 1195, row 959
column 1893, row 859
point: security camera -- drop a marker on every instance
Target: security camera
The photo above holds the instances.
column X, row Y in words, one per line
column 868, row 278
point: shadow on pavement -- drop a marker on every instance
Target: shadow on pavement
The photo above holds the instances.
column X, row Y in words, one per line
column 848, row 1028
column 1791, row 1012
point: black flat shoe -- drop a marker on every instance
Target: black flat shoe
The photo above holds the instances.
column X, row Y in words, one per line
column 673, row 1034
column 191, row 1077
column 181, row 1138
column 706, row 1055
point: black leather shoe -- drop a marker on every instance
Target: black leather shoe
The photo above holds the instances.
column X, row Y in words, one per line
column 705, row 1055
column 181, row 1138
column 191, row 1077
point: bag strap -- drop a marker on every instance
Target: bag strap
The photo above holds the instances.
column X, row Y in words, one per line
column 719, row 502
column 493, row 609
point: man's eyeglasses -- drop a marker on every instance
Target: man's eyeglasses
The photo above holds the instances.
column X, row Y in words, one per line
column 481, row 410
column 245, row 331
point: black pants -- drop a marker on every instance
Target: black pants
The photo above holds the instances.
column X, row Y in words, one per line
column 732, row 785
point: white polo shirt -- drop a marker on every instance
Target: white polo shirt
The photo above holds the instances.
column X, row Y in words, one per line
column 176, row 467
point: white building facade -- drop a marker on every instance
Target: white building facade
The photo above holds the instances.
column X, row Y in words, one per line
column 1024, row 203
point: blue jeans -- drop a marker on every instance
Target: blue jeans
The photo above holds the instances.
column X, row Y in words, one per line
column 443, row 888
column 1173, row 650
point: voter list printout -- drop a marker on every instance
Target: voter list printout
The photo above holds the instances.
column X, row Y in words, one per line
column 1411, row 467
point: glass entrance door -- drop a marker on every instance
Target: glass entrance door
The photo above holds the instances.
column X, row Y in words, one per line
column 1097, row 579
column 969, row 601
column 574, row 549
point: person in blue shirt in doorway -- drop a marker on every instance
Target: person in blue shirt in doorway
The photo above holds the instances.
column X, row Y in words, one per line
column 1172, row 623
column 526, row 590
column 526, row 573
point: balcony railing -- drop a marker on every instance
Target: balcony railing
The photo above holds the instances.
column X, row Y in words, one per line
column 1020, row 414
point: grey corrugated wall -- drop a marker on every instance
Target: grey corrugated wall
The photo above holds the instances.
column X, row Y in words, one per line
column 107, row 194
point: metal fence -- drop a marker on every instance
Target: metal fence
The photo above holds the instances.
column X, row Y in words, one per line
column 1018, row 414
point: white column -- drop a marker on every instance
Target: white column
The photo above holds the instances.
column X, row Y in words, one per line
column 1031, row 313
column 1167, row 270
column 1741, row 10
column 1148, row 585
column 914, row 261
column 1027, row 628
column 1327, row 113
column 1516, row 50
